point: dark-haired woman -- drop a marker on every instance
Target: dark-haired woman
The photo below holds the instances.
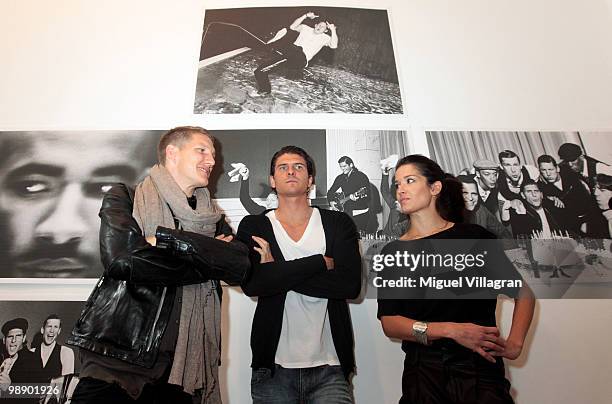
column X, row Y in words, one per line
column 453, row 348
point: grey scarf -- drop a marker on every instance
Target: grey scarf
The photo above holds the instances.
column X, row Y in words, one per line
column 158, row 201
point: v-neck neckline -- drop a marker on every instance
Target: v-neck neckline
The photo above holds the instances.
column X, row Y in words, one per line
column 304, row 234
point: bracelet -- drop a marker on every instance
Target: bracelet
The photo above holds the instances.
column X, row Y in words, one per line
column 419, row 332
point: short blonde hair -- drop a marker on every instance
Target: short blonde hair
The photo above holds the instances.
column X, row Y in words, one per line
column 178, row 137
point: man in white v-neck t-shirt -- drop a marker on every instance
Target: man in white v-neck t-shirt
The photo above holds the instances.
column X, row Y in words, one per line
column 306, row 264
column 297, row 54
column 306, row 339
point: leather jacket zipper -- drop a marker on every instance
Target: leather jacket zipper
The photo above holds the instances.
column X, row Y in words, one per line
column 159, row 309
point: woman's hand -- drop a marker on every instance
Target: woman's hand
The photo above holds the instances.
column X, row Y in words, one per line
column 263, row 250
column 512, row 351
column 485, row 341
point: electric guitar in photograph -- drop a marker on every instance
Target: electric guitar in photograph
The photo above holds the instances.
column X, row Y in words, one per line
column 339, row 199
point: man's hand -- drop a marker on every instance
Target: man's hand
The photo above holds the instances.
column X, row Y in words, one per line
column 263, row 250
column 557, row 202
column 333, row 205
column 331, row 26
column 329, row 262
column 56, row 385
column 518, row 206
column 5, row 381
column 238, row 170
column 151, row 240
column 225, row 238
column 244, row 172
column 311, row 15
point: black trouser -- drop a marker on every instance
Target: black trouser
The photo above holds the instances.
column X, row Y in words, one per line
column 443, row 376
column 94, row 391
column 290, row 55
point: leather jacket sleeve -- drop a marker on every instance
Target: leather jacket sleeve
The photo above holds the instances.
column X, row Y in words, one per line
column 126, row 255
column 221, row 260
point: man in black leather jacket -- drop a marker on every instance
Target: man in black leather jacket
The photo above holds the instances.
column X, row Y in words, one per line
column 131, row 328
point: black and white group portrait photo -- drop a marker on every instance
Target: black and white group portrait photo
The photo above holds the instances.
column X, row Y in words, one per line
column 547, row 194
column 51, row 187
column 531, row 184
column 33, row 350
column 297, row 60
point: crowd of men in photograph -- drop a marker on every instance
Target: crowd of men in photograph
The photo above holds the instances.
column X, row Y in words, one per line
column 566, row 198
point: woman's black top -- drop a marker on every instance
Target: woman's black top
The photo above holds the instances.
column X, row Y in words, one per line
column 477, row 311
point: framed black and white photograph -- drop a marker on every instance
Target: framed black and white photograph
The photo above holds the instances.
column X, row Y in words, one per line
column 242, row 187
column 361, row 166
column 33, row 350
column 297, row 60
column 51, row 188
column 531, row 185
column 240, row 181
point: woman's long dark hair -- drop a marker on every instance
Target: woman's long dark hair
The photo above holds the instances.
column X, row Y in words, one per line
column 449, row 203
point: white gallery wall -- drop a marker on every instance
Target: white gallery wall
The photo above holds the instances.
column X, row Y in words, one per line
column 462, row 64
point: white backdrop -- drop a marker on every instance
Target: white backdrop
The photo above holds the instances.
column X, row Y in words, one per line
column 463, row 65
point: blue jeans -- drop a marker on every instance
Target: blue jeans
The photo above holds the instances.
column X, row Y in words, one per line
column 318, row 385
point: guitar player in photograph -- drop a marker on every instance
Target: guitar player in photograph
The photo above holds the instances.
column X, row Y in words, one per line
column 350, row 193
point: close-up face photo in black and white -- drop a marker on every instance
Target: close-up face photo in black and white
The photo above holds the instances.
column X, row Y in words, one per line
column 52, row 185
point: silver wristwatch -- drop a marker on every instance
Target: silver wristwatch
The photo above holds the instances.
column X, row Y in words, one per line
column 419, row 331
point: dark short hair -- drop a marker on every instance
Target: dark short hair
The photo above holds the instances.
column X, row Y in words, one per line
column 604, row 181
column 52, row 317
column 345, row 160
column 529, row 181
column 466, row 179
column 178, row 136
column 546, row 158
column 310, row 165
column 507, row 154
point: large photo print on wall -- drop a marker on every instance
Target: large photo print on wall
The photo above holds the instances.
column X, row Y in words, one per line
column 531, row 184
column 549, row 193
column 52, row 184
column 51, row 187
column 33, row 353
column 297, row 60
